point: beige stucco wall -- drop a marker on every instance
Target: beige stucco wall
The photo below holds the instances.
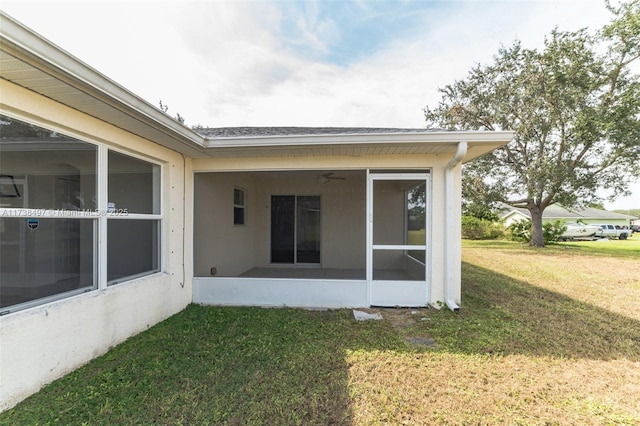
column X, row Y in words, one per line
column 41, row 344
column 219, row 242
column 235, row 249
column 342, row 216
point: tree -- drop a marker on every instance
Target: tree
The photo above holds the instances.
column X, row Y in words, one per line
column 165, row 108
column 482, row 211
column 574, row 107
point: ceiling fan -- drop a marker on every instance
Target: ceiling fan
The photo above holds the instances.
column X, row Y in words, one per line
column 328, row 177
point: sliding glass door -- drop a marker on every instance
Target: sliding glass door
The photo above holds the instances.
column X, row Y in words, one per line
column 295, row 229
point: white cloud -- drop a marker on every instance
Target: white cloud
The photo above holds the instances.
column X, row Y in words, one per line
column 624, row 203
column 232, row 63
column 266, row 86
column 315, row 32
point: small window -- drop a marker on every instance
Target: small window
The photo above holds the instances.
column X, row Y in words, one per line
column 239, row 206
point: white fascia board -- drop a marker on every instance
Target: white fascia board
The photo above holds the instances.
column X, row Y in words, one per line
column 30, row 47
column 434, row 137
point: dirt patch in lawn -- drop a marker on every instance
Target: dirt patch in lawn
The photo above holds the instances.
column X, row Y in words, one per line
column 406, row 321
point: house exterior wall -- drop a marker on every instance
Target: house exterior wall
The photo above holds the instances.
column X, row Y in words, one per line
column 41, row 344
column 342, row 208
column 233, row 249
column 514, row 217
column 436, row 163
column 220, row 243
column 439, row 235
column 236, row 249
column 344, row 220
column 300, row 293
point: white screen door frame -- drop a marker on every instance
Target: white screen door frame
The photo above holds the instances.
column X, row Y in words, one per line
column 407, row 283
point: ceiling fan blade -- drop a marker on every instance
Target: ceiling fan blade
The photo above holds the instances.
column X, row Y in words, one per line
column 329, row 176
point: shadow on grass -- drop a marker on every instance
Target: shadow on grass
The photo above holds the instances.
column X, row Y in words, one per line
column 212, row 365
column 502, row 315
column 242, row 366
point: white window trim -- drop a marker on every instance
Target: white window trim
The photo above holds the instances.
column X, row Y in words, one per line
column 242, row 206
column 104, row 283
column 100, row 215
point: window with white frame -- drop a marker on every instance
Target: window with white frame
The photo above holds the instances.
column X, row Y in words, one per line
column 133, row 229
column 239, row 206
column 52, row 211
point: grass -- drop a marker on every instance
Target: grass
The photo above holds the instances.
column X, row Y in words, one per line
column 629, row 248
column 546, row 336
column 626, row 249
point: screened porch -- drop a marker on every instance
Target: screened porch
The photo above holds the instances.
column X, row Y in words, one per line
column 288, row 231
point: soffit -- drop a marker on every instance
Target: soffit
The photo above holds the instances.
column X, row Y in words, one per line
column 30, row 61
column 426, row 143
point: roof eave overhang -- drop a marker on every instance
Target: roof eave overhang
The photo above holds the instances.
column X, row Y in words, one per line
column 479, row 142
column 451, row 137
column 152, row 124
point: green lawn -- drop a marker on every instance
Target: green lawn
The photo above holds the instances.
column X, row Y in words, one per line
column 544, row 336
column 629, row 248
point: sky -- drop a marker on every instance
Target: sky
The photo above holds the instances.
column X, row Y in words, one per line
column 298, row 63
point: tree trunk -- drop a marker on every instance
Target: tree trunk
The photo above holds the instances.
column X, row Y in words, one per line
column 537, row 234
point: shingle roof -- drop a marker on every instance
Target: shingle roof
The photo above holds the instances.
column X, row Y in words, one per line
column 553, row 211
column 238, row 132
column 592, row 213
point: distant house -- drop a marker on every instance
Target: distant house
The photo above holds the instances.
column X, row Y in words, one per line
column 556, row 212
column 114, row 216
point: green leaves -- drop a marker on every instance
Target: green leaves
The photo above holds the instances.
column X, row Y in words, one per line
column 521, row 230
column 574, row 107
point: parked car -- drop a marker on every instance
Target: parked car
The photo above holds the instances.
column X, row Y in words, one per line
column 635, row 228
column 611, row 231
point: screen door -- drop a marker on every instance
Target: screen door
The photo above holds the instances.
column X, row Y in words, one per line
column 397, row 235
